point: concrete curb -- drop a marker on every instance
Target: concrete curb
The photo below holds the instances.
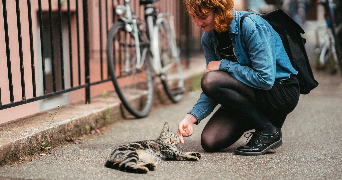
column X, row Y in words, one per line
column 33, row 135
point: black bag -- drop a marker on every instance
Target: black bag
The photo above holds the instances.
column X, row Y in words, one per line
column 290, row 33
column 144, row 2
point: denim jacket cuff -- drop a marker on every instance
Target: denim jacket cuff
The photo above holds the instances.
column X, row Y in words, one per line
column 224, row 65
column 194, row 112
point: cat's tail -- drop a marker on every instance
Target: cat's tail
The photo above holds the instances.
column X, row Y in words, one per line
column 125, row 162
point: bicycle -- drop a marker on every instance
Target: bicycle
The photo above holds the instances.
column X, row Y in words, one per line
column 330, row 50
column 135, row 57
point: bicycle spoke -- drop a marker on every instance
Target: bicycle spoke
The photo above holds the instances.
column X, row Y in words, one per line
column 133, row 85
column 171, row 69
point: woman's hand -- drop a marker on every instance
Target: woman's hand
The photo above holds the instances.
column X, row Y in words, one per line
column 185, row 127
column 213, row 66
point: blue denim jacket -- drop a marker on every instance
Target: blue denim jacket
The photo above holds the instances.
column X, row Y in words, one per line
column 262, row 59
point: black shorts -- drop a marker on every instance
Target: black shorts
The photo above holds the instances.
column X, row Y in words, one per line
column 277, row 102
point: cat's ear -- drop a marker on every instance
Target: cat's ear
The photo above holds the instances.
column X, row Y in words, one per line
column 166, row 127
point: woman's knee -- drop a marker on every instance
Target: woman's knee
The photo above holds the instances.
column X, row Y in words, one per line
column 208, row 144
column 210, row 82
column 215, row 83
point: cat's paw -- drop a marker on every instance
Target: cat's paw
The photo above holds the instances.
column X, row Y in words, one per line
column 141, row 170
column 193, row 156
column 151, row 166
column 196, row 154
column 137, row 169
column 190, row 158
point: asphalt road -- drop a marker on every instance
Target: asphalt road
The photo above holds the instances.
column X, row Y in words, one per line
column 311, row 146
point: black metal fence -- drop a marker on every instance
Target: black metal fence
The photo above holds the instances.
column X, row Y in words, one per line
column 43, row 16
column 64, row 67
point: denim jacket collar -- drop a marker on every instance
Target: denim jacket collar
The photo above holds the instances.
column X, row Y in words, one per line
column 234, row 25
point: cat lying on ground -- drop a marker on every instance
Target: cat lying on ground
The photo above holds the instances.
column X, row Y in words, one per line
column 143, row 156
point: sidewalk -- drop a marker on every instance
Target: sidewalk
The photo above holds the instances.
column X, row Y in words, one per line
column 21, row 139
column 311, row 150
column 311, row 147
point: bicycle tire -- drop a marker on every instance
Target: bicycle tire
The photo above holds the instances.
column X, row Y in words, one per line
column 171, row 72
column 133, row 86
column 338, row 51
column 328, row 54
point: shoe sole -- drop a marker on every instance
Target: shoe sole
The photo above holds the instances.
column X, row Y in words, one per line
column 272, row 146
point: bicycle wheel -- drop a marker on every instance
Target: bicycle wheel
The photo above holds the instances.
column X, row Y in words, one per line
column 338, row 52
column 329, row 54
column 133, row 85
column 171, row 72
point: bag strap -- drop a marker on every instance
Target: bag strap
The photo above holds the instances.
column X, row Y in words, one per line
column 245, row 15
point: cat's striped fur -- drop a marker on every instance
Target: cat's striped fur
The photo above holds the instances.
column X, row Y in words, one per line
column 142, row 156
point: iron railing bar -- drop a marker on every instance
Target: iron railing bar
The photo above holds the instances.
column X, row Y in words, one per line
column 52, row 48
column 120, row 50
column 8, row 52
column 100, row 19
column 61, row 42
column 41, row 43
column 86, row 48
column 45, row 32
column 70, row 46
column 113, row 11
column 114, row 51
column 78, row 44
column 107, row 17
column 50, row 95
column 20, row 51
column 33, row 71
column 107, row 30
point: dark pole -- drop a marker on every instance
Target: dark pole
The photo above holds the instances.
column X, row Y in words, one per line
column 188, row 40
column 86, row 49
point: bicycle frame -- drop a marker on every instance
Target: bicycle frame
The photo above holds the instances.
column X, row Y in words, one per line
column 149, row 59
column 328, row 42
column 130, row 20
column 155, row 43
column 332, row 25
column 131, row 25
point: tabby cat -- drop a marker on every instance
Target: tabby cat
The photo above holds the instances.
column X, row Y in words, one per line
column 142, row 156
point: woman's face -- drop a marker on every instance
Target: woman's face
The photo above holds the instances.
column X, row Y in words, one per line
column 203, row 20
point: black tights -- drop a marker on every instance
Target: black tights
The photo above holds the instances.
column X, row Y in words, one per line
column 237, row 114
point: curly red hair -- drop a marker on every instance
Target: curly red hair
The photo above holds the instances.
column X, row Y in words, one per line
column 222, row 9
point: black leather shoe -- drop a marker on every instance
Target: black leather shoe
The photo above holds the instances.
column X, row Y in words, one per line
column 260, row 143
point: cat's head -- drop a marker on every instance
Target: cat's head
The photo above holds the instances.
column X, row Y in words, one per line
column 168, row 136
